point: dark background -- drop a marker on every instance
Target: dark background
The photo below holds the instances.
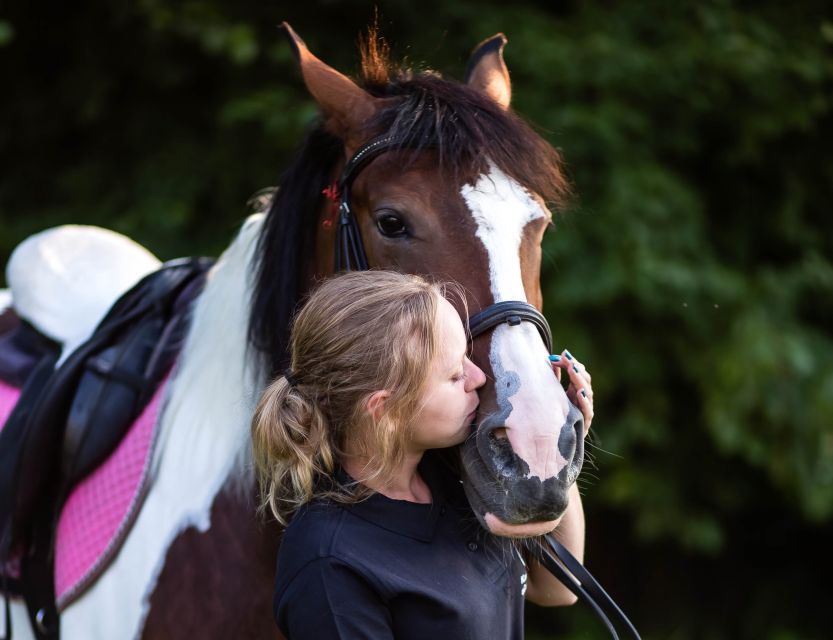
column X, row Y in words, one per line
column 693, row 275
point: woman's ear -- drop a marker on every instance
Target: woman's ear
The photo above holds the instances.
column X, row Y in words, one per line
column 376, row 403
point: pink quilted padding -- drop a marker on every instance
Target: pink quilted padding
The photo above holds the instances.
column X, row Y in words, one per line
column 9, row 396
column 100, row 510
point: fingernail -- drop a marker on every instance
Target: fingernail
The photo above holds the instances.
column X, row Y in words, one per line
column 568, row 354
column 555, row 358
column 575, row 368
column 583, row 394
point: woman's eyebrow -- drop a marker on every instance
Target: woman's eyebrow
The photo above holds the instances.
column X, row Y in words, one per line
column 459, row 362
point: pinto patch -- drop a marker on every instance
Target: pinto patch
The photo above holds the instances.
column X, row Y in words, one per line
column 99, row 512
column 501, row 208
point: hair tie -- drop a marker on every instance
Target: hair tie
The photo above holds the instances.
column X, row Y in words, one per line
column 290, row 377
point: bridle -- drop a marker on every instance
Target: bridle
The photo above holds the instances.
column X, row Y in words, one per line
column 350, row 256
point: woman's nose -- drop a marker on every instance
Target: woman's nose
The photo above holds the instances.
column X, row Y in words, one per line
column 475, row 376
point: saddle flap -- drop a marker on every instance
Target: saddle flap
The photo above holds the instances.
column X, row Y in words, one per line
column 111, row 392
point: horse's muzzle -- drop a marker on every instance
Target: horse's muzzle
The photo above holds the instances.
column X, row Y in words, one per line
column 498, row 481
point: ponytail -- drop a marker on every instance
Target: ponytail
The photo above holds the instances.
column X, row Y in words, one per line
column 292, row 447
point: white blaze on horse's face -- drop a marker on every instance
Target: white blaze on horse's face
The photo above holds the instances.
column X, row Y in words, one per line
column 528, row 395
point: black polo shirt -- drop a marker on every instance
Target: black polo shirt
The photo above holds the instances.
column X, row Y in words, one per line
column 387, row 568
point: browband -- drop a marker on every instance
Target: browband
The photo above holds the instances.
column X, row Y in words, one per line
column 365, row 154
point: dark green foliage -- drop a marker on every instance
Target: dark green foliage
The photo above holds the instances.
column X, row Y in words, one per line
column 694, row 275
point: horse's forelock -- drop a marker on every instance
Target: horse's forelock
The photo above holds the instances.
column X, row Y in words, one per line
column 376, row 66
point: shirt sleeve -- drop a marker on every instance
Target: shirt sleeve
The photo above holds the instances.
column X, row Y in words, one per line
column 327, row 599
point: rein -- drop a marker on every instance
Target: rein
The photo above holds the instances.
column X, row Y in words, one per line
column 564, row 566
column 350, row 256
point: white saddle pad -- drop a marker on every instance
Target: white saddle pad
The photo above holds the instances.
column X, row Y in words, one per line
column 63, row 280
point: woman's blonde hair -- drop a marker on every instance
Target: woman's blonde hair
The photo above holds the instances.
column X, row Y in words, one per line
column 358, row 333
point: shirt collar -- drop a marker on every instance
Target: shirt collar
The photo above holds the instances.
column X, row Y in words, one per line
column 411, row 519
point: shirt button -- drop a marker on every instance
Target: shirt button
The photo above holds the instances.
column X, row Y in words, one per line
column 442, row 511
column 472, row 546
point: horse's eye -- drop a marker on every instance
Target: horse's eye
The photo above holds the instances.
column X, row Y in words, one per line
column 391, row 225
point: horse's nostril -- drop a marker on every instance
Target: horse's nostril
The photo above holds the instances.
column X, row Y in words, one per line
column 499, row 433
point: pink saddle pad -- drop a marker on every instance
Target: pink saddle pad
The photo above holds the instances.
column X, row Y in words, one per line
column 96, row 518
column 9, row 396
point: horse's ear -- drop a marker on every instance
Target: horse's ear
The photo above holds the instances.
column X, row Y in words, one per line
column 346, row 105
column 487, row 71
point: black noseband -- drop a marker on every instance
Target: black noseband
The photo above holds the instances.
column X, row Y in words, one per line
column 512, row 312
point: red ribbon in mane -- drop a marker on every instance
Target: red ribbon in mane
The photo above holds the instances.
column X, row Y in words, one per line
column 332, row 194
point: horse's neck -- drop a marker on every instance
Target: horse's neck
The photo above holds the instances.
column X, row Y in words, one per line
column 205, row 427
column 201, row 454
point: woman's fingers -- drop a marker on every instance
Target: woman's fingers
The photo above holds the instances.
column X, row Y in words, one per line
column 580, row 389
column 585, row 405
column 555, row 362
column 578, row 374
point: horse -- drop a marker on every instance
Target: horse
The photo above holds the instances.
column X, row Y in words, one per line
column 446, row 181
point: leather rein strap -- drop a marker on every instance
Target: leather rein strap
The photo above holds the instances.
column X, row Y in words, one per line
column 564, row 566
column 350, row 256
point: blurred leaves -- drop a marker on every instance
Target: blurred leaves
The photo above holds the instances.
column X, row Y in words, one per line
column 6, row 33
column 699, row 225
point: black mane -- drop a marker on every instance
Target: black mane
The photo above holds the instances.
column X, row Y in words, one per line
column 463, row 126
column 286, row 242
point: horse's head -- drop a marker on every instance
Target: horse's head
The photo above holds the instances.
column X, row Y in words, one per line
column 460, row 194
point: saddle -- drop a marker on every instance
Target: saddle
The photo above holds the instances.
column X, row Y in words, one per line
column 68, row 419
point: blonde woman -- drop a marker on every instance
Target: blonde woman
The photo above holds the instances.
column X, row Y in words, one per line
column 379, row 537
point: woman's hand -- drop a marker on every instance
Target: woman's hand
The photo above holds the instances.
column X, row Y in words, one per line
column 580, row 389
column 542, row 587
